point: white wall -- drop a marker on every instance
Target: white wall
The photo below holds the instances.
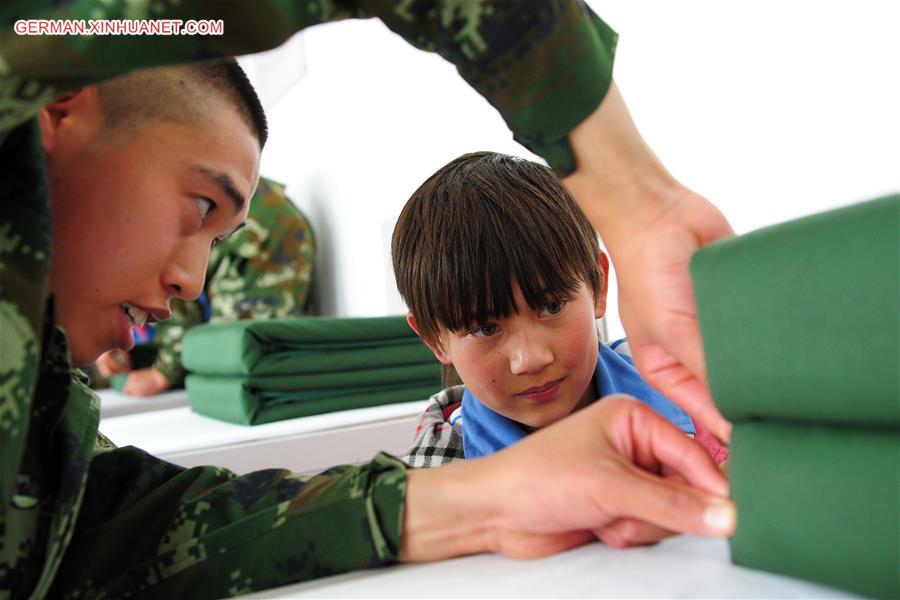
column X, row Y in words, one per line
column 771, row 109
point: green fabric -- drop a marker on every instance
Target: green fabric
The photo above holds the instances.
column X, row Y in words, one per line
column 237, row 401
column 430, row 371
column 815, row 456
column 820, row 503
column 302, row 345
column 772, row 306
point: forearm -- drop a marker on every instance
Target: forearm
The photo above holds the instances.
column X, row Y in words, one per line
column 618, row 179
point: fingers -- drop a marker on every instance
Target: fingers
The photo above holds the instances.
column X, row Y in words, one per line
column 699, row 505
column 624, row 533
column 516, row 544
column 681, row 385
column 656, row 437
column 145, row 382
column 113, row 362
column 678, row 507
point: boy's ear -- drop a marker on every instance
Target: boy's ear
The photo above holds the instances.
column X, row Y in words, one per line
column 75, row 115
column 600, row 302
column 438, row 352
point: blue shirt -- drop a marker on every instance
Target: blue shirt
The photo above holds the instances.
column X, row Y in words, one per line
column 486, row 431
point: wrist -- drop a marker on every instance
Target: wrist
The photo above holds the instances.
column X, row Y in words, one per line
column 450, row 511
column 618, row 182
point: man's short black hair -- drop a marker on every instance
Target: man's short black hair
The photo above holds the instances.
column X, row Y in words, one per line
column 233, row 81
column 180, row 94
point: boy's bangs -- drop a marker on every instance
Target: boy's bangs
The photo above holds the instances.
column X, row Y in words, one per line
column 497, row 251
column 478, row 227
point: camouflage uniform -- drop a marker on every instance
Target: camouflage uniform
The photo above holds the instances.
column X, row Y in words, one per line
column 81, row 519
column 261, row 272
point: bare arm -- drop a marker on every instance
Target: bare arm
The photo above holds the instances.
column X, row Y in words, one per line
column 562, row 486
column 651, row 225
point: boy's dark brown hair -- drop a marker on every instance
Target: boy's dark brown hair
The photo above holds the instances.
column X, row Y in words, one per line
column 479, row 224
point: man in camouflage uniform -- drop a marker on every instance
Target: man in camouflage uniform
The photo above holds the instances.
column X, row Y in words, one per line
column 81, row 519
column 261, row 272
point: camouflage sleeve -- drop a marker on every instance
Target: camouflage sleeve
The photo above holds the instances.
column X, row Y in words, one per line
column 206, row 533
column 168, row 337
column 544, row 65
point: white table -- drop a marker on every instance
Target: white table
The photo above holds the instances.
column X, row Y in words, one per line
column 680, row 567
column 303, row 445
column 116, row 404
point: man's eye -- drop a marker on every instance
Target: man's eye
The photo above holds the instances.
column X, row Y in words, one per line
column 205, row 205
column 484, row 331
column 553, row 308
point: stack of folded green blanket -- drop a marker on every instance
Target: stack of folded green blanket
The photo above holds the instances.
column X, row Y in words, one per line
column 253, row 372
column 801, row 334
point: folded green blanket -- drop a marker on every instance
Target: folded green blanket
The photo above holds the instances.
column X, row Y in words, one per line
column 430, row 372
column 773, row 305
column 815, row 458
column 817, row 502
column 302, row 345
column 243, row 401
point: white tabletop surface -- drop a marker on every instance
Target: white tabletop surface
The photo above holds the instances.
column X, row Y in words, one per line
column 116, row 404
column 180, row 429
column 680, row 567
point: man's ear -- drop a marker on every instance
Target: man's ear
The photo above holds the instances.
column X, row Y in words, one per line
column 437, row 351
column 600, row 301
column 77, row 113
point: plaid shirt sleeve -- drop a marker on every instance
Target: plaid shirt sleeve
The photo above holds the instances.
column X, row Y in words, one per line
column 437, row 441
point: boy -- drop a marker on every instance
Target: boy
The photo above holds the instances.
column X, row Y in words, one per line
column 504, row 278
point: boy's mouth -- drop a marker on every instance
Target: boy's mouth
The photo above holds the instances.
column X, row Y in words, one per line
column 542, row 393
column 137, row 316
column 540, row 388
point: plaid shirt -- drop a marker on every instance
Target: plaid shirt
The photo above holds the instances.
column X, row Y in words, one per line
column 439, row 433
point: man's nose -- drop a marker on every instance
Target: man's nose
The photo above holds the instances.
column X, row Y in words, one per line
column 185, row 273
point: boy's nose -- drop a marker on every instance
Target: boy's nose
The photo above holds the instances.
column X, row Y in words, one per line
column 529, row 354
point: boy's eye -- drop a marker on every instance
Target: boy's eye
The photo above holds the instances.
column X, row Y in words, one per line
column 484, row 331
column 553, row 308
column 205, row 205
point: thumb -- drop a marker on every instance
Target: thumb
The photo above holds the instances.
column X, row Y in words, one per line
column 675, row 505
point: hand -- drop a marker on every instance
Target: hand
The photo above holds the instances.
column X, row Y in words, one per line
column 651, row 225
column 113, row 362
column 663, row 330
column 146, row 382
column 568, row 484
column 626, row 532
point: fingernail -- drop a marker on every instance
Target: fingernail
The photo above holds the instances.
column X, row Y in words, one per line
column 720, row 518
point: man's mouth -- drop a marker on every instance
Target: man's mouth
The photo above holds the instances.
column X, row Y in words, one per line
column 137, row 316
